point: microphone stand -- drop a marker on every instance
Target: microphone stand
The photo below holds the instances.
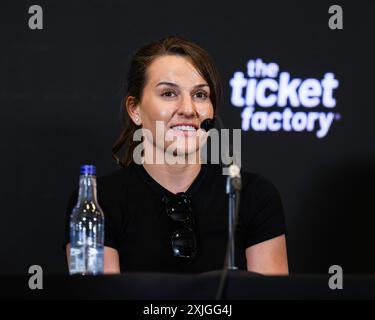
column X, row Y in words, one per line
column 233, row 189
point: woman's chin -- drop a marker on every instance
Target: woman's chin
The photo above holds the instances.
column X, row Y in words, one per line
column 183, row 153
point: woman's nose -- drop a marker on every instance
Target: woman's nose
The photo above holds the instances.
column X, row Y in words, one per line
column 186, row 107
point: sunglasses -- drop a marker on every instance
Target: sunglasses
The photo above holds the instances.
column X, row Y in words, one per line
column 183, row 239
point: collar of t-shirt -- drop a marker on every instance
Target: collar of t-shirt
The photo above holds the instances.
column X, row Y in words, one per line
column 159, row 189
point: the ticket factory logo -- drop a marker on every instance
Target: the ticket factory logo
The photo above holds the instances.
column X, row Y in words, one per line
column 274, row 101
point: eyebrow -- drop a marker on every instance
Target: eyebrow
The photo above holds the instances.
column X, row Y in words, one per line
column 172, row 84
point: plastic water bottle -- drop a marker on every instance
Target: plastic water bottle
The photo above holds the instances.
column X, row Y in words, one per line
column 87, row 228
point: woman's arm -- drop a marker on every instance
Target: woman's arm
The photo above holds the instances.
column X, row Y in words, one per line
column 111, row 259
column 268, row 257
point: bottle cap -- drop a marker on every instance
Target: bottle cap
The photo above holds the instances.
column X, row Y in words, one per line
column 88, row 169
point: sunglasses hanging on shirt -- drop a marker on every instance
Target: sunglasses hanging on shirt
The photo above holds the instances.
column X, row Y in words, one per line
column 183, row 239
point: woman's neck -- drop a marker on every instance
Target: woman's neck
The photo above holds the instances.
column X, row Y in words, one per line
column 175, row 178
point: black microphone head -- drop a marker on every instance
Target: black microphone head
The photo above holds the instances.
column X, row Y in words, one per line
column 208, row 124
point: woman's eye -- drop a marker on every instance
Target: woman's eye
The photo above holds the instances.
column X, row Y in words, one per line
column 201, row 95
column 168, row 94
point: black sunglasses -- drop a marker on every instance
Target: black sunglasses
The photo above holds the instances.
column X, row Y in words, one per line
column 183, row 239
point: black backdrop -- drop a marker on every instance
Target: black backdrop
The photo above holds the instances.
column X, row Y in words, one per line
column 60, row 95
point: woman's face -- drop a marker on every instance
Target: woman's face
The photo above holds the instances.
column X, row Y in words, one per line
column 177, row 95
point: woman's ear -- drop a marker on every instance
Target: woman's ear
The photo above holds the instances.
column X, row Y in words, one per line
column 132, row 107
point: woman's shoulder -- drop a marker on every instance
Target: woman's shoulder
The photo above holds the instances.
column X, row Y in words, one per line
column 114, row 180
column 258, row 181
column 115, row 175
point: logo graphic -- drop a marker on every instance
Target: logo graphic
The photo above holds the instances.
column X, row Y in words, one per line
column 336, row 20
column 174, row 146
column 36, row 280
column 275, row 101
column 336, row 280
column 36, row 20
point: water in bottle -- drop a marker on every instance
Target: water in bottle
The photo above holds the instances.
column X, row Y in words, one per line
column 87, row 228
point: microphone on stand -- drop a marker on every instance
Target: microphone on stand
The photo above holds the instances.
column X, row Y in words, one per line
column 233, row 189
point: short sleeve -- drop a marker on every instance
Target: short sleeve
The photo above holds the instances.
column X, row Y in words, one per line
column 111, row 218
column 263, row 212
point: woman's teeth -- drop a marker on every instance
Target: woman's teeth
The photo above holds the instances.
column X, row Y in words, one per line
column 184, row 128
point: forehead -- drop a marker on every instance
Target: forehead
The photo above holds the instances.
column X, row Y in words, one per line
column 175, row 69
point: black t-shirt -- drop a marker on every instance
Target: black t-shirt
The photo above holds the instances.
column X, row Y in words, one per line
column 137, row 225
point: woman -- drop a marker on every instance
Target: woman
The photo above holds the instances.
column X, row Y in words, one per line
column 174, row 84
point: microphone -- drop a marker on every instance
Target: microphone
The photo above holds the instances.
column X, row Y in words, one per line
column 208, row 123
column 233, row 190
